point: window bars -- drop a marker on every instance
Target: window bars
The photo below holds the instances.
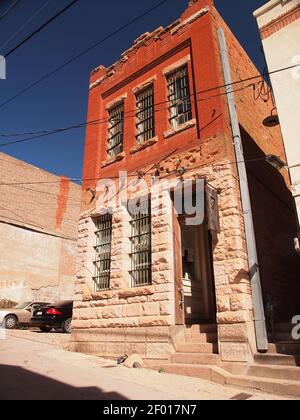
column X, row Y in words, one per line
column 116, row 130
column 141, row 260
column 179, row 97
column 145, row 126
column 103, row 252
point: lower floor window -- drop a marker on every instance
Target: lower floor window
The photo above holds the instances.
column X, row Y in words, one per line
column 103, row 252
column 141, row 262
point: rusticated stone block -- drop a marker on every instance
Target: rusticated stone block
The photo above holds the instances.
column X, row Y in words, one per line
column 223, row 303
column 166, row 308
column 234, row 352
column 240, row 302
column 112, row 312
column 136, row 335
column 132, row 310
column 158, row 334
column 233, row 317
column 145, row 291
column 151, row 309
column 135, row 348
column 158, row 350
column 155, row 321
column 233, row 333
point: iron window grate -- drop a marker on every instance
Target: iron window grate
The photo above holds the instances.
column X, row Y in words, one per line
column 141, row 258
column 145, row 126
column 116, row 130
column 180, row 106
column 102, row 261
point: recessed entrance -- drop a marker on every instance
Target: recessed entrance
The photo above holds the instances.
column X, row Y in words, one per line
column 195, row 289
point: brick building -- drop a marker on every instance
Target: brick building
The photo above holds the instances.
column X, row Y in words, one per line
column 38, row 233
column 149, row 282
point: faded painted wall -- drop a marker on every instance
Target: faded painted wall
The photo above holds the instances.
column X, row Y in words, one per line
column 38, row 233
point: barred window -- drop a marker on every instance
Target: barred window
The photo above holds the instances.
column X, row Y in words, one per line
column 179, row 97
column 103, row 252
column 116, row 130
column 145, row 115
column 141, row 259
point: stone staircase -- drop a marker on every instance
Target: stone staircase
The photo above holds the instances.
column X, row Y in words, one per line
column 276, row 372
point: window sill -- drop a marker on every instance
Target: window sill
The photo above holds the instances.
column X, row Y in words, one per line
column 183, row 127
column 143, row 146
column 113, row 160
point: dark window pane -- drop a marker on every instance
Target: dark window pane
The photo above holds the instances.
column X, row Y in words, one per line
column 102, row 261
column 145, row 115
column 180, row 106
column 116, row 130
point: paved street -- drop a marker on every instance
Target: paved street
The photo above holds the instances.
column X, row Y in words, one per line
column 34, row 366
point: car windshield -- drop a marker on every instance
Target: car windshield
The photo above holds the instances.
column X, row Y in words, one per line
column 22, row 305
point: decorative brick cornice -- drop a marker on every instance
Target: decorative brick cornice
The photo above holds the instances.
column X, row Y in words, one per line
column 280, row 22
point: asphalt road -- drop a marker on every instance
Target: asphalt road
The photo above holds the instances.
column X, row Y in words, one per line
column 31, row 370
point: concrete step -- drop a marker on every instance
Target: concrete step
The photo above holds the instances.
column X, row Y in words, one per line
column 291, row 373
column 195, row 358
column 208, row 372
column 246, row 382
column 282, row 347
column 201, row 338
column 197, row 348
column 201, row 328
column 276, row 359
column 274, row 386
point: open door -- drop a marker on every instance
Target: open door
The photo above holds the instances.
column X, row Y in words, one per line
column 179, row 290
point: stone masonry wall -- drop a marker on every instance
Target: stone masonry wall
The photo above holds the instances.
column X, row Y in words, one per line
column 126, row 320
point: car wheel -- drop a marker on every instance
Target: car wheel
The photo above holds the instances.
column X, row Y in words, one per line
column 11, row 322
column 45, row 329
column 67, row 326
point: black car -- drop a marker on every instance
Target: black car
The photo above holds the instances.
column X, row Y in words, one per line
column 57, row 316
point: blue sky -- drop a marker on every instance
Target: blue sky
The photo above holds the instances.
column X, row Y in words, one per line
column 62, row 100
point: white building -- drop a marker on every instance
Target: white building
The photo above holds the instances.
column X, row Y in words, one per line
column 279, row 24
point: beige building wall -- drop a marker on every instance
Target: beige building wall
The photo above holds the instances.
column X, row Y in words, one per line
column 38, row 233
column 279, row 23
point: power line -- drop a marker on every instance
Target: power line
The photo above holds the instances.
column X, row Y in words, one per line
column 43, row 26
column 105, row 120
column 136, row 176
column 11, row 7
column 76, row 57
column 25, row 24
column 102, row 121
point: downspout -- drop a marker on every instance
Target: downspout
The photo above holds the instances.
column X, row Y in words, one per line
column 258, row 306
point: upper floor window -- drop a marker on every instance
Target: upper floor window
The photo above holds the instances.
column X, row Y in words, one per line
column 180, row 106
column 102, row 260
column 145, row 115
column 116, row 130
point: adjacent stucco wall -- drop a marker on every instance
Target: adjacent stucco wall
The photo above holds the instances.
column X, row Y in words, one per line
column 279, row 23
column 38, row 232
column 35, row 266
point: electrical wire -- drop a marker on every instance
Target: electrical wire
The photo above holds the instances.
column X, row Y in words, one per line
column 105, row 120
column 85, row 51
column 11, row 7
column 43, row 26
column 13, row 36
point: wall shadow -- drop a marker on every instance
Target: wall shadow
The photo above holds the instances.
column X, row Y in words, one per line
column 275, row 226
column 20, row 384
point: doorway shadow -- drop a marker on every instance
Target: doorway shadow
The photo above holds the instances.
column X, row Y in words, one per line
column 20, row 384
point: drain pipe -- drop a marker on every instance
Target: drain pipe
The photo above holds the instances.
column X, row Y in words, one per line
column 258, row 306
